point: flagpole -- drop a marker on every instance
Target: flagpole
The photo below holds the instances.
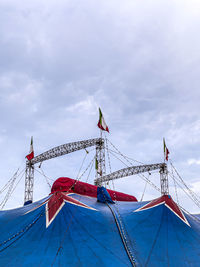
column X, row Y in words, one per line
column 100, row 148
column 164, row 148
column 164, row 173
column 101, row 153
column 101, row 133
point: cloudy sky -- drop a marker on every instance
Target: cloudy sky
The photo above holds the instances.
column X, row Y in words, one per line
column 138, row 60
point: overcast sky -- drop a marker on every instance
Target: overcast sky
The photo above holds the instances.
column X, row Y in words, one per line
column 138, row 60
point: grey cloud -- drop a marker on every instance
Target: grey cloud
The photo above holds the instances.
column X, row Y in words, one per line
column 60, row 60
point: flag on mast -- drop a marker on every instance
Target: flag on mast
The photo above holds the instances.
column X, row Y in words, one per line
column 96, row 164
column 166, row 151
column 31, row 153
column 102, row 124
column 98, row 167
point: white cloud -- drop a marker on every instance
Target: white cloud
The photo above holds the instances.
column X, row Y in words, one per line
column 88, row 106
column 193, row 161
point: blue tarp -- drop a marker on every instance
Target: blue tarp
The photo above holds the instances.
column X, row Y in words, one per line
column 103, row 195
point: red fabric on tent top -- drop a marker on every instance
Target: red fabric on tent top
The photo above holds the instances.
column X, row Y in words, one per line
column 65, row 184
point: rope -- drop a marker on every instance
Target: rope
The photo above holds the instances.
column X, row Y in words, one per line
column 11, row 189
column 82, row 165
column 176, row 192
column 125, row 157
column 119, row 159
column 143, row 191
column 6, row 185
column 10, row 180
column 46, row 177
column 18, row 182
column 42, row 172
column 109, row 164
column 189, row 190
column 198, row 205
column 91, row 162
column 193, row 196
column 90, row 169
column 108, row 154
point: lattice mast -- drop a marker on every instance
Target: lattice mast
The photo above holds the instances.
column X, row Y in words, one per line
column 29, row 181
column 100, row 159
column 164, row 183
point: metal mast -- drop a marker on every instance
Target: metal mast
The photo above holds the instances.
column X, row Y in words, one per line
column 57, row 152
column 29, row 179
column 100, row 159
column 164, row 180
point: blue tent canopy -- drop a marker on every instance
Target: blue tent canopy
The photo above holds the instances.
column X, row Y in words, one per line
column 92, row 233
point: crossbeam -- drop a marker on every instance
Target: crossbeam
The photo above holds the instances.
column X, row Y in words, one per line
column 130, row 171
column 66, row 149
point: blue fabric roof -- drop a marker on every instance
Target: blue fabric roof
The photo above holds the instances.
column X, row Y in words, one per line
column 83, row 237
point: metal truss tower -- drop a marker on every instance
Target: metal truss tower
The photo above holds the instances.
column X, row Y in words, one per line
column 164, row 184
column 100, row 160
column 100, row 166
column 29, row 180
column 57, row 152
